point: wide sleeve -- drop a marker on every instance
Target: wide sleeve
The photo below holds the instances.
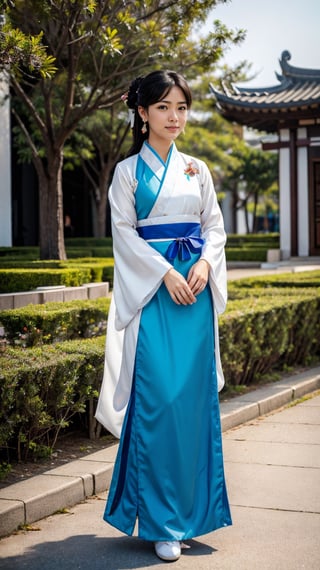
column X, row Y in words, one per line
column 215, row 238
column 139, row 269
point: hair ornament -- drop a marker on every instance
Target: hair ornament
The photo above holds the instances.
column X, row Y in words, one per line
column 131, row 112
column 131, row 117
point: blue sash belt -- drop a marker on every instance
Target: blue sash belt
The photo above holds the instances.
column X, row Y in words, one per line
column 186, row 238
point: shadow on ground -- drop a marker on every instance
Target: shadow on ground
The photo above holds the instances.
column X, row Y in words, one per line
column 95, row 553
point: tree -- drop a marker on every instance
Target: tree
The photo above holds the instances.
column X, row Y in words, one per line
column 105, row 133
column 257, row 171
column 67, row 59
column 208, row 135
column 234, row 164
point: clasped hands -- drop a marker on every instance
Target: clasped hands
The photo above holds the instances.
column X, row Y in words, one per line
column 183, row 291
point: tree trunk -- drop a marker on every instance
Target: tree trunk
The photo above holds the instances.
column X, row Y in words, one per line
column 102, row 215
column 246, row 215
column 51, row 223
column 94, row 215
column 235, row 209
column 254, row 221
column 102, row 205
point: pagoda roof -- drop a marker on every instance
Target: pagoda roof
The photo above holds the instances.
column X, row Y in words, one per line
column 297, row 95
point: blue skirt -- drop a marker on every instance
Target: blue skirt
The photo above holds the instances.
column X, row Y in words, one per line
column 169, row 471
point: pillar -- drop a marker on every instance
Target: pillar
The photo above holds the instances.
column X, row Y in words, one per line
column 284, row 195
column 303, row 195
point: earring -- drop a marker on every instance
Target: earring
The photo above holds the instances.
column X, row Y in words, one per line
column 144, row 127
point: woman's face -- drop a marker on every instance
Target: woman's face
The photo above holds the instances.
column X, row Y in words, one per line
column 167, row 118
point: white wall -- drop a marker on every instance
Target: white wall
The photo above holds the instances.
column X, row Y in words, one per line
column 227, row 212
column 226, row 208
column 5, row 167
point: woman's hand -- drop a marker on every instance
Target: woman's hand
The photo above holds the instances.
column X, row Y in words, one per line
column 178, row 288
column 198, row 276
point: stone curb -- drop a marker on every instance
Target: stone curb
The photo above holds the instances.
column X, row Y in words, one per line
column 43, row 495
column 59, row 293
column 268, row 398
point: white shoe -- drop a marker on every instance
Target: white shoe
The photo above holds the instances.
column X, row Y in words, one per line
column 168, row 550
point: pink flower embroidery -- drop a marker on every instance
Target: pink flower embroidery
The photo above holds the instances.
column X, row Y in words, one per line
column 190, row 170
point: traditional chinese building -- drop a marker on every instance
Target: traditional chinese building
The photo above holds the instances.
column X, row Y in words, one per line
column 290, row 109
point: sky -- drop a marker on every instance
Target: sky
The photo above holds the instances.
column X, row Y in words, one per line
column 273, row 26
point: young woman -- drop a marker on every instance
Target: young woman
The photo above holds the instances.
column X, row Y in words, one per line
column 163, row 371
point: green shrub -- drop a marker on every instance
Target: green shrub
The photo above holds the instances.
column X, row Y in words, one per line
column 42, row 389
column 88, row 242
column 74, row 253
column 246, row 254
column 75, row 247
column 250, row 247
column 54, row 322
column 16, row 251
column 300, row 279
column 262, row 333
column 25, row 275
column 101, row 269
column 271, row 240
column 22, row 263
column 239, row 292
column 103, row 251
column 12, row 280
column 267, row 327
column 106, row 251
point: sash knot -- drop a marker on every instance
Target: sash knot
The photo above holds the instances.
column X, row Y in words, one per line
column 183, row 246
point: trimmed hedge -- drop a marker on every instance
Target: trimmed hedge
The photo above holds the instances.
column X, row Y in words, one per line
column 250, row 247
column 269, row 332
column 246, row 254
column 270, row 240
column 271, row 322
column 101, row 268
column 267, row 327
column 54, row 322
column 21, row 254
column 88, row 242
column 12, row 280
column 28, row 275
column 254, row 294
column 27, row 251
column 239, row 248
column 300, row 279
column 42, row 389
column 73, row 253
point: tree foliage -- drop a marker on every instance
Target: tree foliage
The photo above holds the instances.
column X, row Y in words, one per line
column 252, row 174
column 236, row 166
column 68, row 59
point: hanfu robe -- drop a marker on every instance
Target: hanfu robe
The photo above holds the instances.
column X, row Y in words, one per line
column 162, row 369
